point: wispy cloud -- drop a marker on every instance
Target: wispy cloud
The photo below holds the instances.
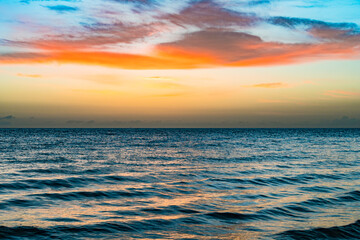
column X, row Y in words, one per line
column 269, row 85
column 29, row 75
column 9, row 117
column 341, row 94
column 62, row 8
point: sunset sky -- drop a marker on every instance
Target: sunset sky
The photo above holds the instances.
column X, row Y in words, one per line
column 148, row 63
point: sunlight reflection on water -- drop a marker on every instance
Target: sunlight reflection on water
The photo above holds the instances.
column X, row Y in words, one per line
column 178, row 183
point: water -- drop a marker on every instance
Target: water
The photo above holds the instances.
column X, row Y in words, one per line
column 180, row 183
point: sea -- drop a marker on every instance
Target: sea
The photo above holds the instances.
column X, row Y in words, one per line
column 179, row 184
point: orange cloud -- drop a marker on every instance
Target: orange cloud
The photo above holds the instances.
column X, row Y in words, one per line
column 29, row 75
column 171, row 59
column 269, row 85
column 132, row 61
column 202, row 49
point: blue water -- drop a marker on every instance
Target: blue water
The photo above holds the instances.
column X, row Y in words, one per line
column 180, row 183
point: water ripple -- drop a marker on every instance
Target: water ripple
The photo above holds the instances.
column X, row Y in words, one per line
column 179, row 183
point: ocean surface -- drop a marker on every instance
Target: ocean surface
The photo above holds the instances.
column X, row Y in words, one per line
column 180, row 184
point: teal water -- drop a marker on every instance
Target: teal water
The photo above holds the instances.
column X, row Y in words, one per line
column 180, row 183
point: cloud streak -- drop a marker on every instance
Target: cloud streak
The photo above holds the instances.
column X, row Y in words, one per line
column 269, row 85
column 29, row 75
column 341, row 94
column 9, row 117
column 62, row 8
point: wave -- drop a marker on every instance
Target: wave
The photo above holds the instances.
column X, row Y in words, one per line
column 351, row 231
column 178, row 183
column 59, row 232
column 285, row 180
column 71, row 182
column 237, row 216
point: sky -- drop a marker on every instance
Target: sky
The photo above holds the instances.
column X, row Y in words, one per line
column 190, row 63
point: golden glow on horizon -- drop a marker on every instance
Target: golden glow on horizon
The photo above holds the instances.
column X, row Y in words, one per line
column 67, row 92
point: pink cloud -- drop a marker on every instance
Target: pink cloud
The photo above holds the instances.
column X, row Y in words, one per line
column 341, row 94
